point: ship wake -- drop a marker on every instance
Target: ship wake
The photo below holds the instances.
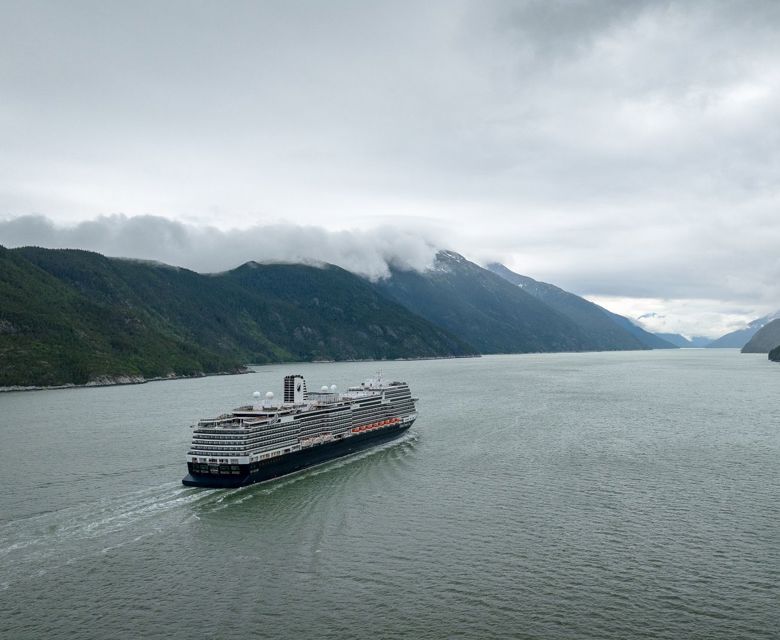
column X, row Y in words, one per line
column 33, row 546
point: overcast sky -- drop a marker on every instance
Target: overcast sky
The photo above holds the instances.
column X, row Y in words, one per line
column 627, row 151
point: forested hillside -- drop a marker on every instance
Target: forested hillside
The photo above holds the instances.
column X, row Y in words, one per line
column 69, row 316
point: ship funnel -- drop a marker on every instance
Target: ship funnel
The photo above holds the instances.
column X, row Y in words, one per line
column 294, row 389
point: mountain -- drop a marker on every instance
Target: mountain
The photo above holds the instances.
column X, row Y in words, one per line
column 610, row 330
column 71, row 316
column 774, row 354
column 765, row 339
column 738, row 339
column 650, row 340
column 53, row 333
column 483, row 309
column 594, row 320
column 329, row 313
column 686, row 343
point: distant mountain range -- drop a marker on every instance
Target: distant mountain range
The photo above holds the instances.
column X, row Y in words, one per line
column 70, row 316
column 650, row 340
column 483, row 309
column 683, row 342
column 765, row 339
column 606, row 330
column 738, row 339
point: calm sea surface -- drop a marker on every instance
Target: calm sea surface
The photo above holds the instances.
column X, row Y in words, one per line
column 608, row 495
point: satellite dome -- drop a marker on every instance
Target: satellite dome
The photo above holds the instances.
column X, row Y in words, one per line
column 324, row 388
column 269, row 395
column 256, row 394
column 333, row 388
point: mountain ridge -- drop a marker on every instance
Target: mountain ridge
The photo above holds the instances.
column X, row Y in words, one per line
column 76, row 317
column 765, row 339
column 614, row 331
column 71, row 316
column 739, row 338
column 484, row 309
column 679, row 340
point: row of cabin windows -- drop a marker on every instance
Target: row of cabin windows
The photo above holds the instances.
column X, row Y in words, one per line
column 242, row 443
column 243, row 452
column 216, row 469
column 270, row 438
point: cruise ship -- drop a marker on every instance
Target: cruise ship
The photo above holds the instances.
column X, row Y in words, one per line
column 267, row 440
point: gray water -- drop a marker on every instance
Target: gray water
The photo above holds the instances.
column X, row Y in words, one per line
column 608, row 495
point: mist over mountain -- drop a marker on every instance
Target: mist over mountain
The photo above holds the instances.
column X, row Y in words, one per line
column 739, row 338
column 403, row 244
column 370, row 253
column 484, row 309
column 71, row 316
column 765, row 339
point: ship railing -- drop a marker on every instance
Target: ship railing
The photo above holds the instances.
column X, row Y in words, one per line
column 219, row 420
column 256, row 423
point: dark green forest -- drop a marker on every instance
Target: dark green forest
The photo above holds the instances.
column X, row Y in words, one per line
column 71, row 316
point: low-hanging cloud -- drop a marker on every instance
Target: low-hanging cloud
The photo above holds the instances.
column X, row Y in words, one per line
column 722, row 289
column 624, row 150
column 370, row 253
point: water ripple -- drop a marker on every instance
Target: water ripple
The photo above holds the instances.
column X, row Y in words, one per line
column 603, row 496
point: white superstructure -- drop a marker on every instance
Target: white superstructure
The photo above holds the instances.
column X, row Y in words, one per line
column 253, row 434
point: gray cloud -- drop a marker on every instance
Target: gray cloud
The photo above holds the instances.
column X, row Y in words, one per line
column 207, row 249
column 622, row 149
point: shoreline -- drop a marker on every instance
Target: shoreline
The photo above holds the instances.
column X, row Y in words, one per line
column 121, row 380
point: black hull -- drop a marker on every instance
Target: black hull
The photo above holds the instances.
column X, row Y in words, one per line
column 296, row 461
